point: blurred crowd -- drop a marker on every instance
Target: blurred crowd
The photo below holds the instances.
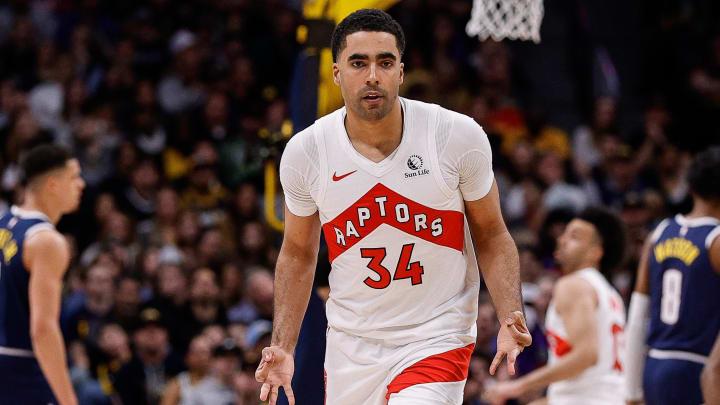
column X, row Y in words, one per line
column 171, row 107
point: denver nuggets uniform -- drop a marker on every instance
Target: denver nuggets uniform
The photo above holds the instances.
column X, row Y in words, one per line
column 21, row 380
column 404, row 280
column 684, row 309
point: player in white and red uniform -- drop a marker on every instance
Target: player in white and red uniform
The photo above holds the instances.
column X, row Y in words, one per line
column 397, row 186
column 585, row 320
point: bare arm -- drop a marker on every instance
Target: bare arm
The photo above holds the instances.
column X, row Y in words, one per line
column 642, row 283
column 171, row 396
column 576, row 303
column 498, row 260
column 715, row 254
column 636, row 329
column 294, row 275
column 46, row 256
column 710, row 377
column 496, row 253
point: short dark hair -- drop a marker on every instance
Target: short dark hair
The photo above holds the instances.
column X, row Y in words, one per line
column 611, row 231
column 704, row 174
column 42, row 159
column 366, row 19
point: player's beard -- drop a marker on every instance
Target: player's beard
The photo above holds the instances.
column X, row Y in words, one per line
column 378, row 112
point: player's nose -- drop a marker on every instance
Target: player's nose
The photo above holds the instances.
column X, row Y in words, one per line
column 372, row 78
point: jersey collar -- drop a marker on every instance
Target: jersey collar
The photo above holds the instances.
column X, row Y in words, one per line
column 27, row 214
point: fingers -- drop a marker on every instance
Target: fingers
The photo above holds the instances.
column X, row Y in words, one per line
column 289, row 394
column 262, row 372
column 518, row 329
column 264, row 391
column 264, row 368
column 268, row 355
column 522, row 337
column 273, row 395
column 496, row 361
column 511, row 359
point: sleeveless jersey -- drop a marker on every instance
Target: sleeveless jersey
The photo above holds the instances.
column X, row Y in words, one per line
column 403, row 266
column 16, row 225
column 684, row 288
column 603, row 382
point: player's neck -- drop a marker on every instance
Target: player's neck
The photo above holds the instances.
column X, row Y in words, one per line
column 702, row 208
column 383, row 135
column 580, row 266
column 34, row 203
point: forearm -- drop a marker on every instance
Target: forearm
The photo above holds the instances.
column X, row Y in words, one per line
column 635, row 343
column 710, row 378
column 294, row 276
column 49, row 350
column 569, row 366
column 498, row 260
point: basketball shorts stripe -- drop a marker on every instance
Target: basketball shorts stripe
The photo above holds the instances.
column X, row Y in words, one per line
column 364, row 371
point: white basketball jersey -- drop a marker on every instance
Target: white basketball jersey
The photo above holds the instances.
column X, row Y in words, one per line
column 601, row 384
column 403, row 266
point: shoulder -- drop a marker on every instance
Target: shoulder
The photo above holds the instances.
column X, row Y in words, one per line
column 46, row 244
column 299, row 141
column 659, row 229
column 462, row 131
column 45, row 238
column 571, row 288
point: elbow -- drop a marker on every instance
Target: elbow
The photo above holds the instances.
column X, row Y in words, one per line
column 589, row 357
column 40, row 329
column 710, row 375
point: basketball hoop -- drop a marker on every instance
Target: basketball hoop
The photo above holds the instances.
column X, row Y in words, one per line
column 500, row 19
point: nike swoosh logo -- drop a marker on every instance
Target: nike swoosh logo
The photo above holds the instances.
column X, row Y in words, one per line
column 338, row 178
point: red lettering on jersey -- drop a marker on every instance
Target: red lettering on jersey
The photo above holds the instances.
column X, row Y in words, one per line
column 558, row 345
column 380, row 206
column 614, row 304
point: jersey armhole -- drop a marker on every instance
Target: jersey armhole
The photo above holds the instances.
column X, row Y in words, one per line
column 657, row 233
column 434, row 124
column 37, row 228
column 711, row 237
column 32, row 231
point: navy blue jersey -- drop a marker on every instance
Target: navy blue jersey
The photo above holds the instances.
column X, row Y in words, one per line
column 684, row 287
column 15, row 226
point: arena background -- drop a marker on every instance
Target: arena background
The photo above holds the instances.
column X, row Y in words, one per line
column 178, row 112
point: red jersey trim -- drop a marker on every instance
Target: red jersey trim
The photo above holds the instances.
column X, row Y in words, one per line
column 381, row 205
column 559, row 345
column 450, row 366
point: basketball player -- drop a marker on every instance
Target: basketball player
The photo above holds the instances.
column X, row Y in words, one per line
column 33, row 366
column 405, row 195
column 584, row 322
column 678, row 289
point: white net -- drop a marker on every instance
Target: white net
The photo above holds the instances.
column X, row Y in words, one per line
column 499, row 19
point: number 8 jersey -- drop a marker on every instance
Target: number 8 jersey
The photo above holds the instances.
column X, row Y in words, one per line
column 403, row 266
column 684, row 288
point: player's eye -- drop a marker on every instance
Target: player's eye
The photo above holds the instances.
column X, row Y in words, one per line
column 387, row 63
column 357, row 64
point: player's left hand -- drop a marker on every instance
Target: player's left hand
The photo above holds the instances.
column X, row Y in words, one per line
column 500, row 392
column 512, row 338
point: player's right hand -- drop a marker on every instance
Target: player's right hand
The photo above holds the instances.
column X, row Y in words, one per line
column 275, row 370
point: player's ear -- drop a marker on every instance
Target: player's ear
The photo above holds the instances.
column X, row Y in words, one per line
column 402, row 72
column 336, row 73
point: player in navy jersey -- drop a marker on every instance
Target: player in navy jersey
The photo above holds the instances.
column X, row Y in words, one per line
column 33, row 260
column 678, row 289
